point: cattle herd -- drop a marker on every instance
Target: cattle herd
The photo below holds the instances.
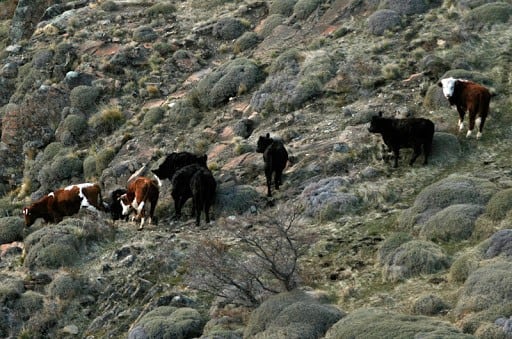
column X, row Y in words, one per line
column 190, row 177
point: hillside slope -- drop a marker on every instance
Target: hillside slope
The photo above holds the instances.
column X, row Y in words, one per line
column 91, row 91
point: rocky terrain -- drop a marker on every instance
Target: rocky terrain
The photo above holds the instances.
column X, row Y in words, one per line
column 349, row 247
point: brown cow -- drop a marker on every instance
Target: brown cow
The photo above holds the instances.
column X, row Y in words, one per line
column 67, row 201
column 468, row 97
column 140, row 192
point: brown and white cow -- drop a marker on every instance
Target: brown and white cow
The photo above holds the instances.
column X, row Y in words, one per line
column 468, row 97
column 141, row 192
column 67, row 201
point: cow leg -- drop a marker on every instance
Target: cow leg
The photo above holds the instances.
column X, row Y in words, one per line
column 461, row 118
column 396, row 152
column 268, row 176
column 207, row 212
column 279, row 176
column 416, row 154
column 480, row 126
column 471, row 125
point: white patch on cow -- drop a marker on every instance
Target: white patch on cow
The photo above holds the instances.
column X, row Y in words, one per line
column 80, row 186
column 461, row 125
column 448, row 86
column 479, row 135
column 126, row 208
column 478, row 121
column 141, row 223
column 51, row 194
column 138, row 208
column 468, row 134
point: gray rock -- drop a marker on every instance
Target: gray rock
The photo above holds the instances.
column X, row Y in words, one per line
column 383, row 20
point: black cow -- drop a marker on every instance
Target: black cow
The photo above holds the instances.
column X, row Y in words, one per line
column 177, row 160
column 203, row 187
column 115, row 208
column 412, row 133
column 181, row 190
column 275, row 157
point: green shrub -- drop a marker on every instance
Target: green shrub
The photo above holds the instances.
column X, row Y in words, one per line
column 271, row 22
column 28, row 304
column 11, row 229
column 184, row 113
column 163, row 48
column 163, row 8
column 103, row 159
column 463, row 266
column 229, row 28
column 391, row 71
column 89, row 166
column 282, row 7
column 303, row 8
column 64, row 286
column 107, row 120
column 51, row 150
column 84, row 98
column 499, row 205
column 246, row 41
column 152, row 117
column 391, row 243
column 75, row 125
column 489, row 14
column 172, row 322
column 109, row 6
column 217, row 87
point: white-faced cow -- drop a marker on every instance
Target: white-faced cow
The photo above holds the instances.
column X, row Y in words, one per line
column 141, row 192
column 67, row 201
column 468, row 97
column 412, row 133
column 275, row 157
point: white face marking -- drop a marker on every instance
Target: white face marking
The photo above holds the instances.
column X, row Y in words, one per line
column 126, row 208
column 448, row 86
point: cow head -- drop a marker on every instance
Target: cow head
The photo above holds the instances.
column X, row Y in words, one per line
column 29, row 217
column 263, row 143
column 126, row 204
column 448, row 86
column 377, row 124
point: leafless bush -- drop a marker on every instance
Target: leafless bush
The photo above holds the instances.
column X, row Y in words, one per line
column 261, row 258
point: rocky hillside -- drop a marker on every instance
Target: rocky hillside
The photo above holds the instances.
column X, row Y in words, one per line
column 349, row 247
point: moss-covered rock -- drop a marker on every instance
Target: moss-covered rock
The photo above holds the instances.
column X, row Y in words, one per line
column 271, row 22
column 489, row 14
column 246, row 41
column 374, row 323
column 409, row 7
column 391, row 243
column 282, row 7
column 303, row 8
column 229, row 28
column 235, row 199
column 429, row 305
column 499, row 205
column 11, row 229
column 463, row 265
column 413, row 258
column 446, row 149
column 292, row 315
column 169, row 322
column 500, row 243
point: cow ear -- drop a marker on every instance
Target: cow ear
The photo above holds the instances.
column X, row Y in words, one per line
column 268, row 135
column 380, row 113
column 440, row 84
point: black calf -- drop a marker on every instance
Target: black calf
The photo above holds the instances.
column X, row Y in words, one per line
column 175, row 161
column 275, row 157
column 115, row 208
column 405, row 133
column 203, row 186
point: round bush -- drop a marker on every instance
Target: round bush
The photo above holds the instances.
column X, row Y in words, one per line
column 292, row 315
column 184, row 113
column 489, row 14
column 28, row 304
column 84, row 98
column 413, row 258
column 144, row 34
column 163, row 8
column 64, row 287
column 11, row 229
column 52, row 247
column 500, row 243
column 499, row 205
column 169, row 322
column 246, row 41
column 282, row 7
column 409, row 7
column 152, row 117
column 455, row 189
column 271, row 22
column 382, row 21
column 486, row 287
column 463, row 266
column 107, row 120
column 454, row 223
column 303, row 8
column 103, row 159
column 109, row 6
column 235, row 199
column 429, row 305
column 391, row 243
column 229, row 28
column 89, row 167
column 375, row 323
column 217, row 87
